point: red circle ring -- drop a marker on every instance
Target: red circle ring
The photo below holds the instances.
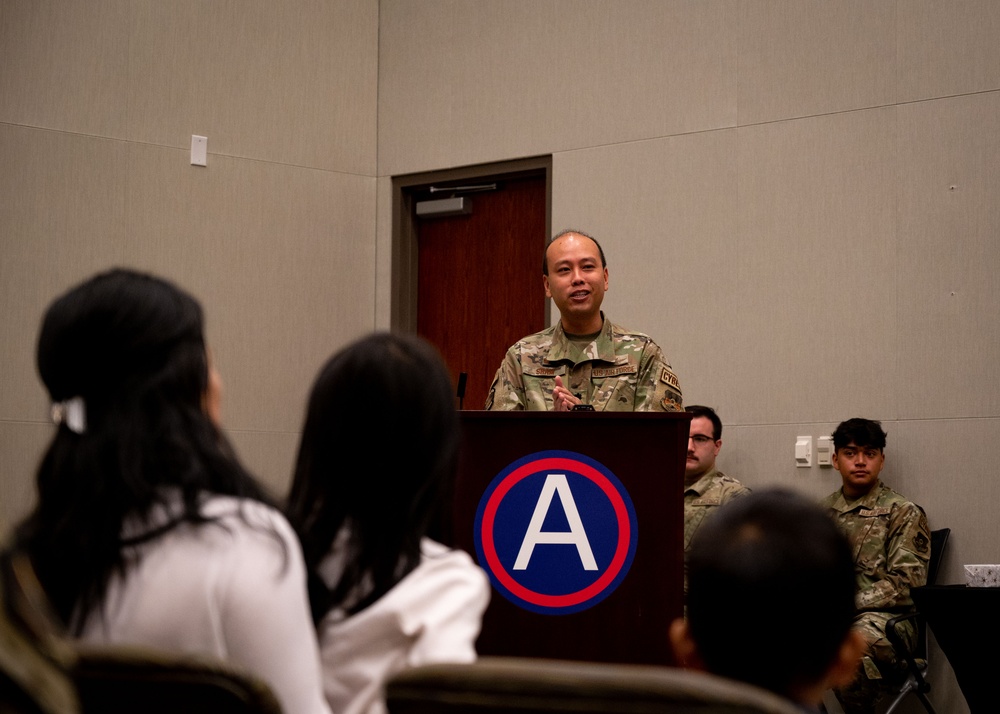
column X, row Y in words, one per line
column 617, row 561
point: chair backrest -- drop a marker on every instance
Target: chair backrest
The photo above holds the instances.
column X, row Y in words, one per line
column 44, row 672
column 120, row 680
column 536, row 686
column 939, row 540
column 33, row 667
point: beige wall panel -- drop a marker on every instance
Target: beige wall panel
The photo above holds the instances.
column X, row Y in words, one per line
column 945, row 695
column 763, row 456
column 63, row 65
column 817, row 270
column 269, row 455
column 949, row 248
column 383, row 250
column 676, row 199
column 22, row 446
column 957, row 491
column 292, row 82
column 805, row 58
column 948, row 48
column 465, row 82
column 281, row 257
column 62, row 217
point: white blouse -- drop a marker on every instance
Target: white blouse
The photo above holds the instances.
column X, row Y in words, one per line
column 432, row 615
column 233, row 589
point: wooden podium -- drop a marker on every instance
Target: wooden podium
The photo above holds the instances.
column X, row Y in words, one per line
column 646, row 452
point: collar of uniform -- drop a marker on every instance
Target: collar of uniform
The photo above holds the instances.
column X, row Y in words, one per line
column 704, row 483
column 601, row 349
column 869, row 500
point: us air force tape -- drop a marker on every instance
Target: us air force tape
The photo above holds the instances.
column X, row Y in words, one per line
column 556, row 532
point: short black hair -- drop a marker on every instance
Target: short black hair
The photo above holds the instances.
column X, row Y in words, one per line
column 701, row 411
column 862, row 432
column 560, row 234
column 770, row 560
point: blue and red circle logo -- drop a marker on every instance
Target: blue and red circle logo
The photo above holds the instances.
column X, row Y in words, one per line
column 556, row 532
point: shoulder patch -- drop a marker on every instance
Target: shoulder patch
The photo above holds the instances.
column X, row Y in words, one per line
column 668, row 377
column 920, row 543
column 671, row 403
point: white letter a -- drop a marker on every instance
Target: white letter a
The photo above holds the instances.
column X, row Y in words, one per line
column 575, row 536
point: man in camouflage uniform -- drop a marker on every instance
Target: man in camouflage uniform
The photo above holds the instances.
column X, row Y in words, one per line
column 891, row 544
column 584, row 359
column 705, row 487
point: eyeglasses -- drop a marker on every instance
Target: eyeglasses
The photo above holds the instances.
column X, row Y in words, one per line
column 702, row 439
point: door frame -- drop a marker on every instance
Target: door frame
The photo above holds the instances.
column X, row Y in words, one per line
column 403, row 283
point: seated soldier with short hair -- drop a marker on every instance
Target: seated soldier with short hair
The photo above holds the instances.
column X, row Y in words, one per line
column 705, row 487
column 890, row 545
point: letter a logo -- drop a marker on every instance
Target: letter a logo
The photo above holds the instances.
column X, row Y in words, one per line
column 556, row 532
column 556, row 483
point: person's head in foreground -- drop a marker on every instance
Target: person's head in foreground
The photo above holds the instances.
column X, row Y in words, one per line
column 767, row 564
column 136, row 404
column 393, row 391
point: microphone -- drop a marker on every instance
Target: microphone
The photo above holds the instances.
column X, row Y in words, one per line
column 462, row 376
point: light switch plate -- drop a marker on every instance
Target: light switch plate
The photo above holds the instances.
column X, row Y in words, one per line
column 824, row 451
column 803, row 451
column 199, row 150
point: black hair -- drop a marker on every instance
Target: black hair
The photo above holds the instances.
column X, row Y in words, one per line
column 557, row 236
column 700, row 411
column 392, row 389
column 769, row 561
column 131, row 347
column 863, row 433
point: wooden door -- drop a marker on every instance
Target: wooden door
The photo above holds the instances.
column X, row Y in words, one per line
column 480, row 280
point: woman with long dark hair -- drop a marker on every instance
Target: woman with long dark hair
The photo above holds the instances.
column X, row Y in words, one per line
column 377, row 458
column 147, row 530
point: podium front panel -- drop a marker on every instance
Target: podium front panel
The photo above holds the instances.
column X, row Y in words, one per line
column 646, row 453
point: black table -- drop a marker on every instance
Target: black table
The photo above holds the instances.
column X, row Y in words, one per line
column 966, row 623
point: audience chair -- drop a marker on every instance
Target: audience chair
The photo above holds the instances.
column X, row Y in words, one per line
column 916, row 659
column 118, row 680
column 34, row 663
column 55, row 675
column 29, row 682
column 536, row 686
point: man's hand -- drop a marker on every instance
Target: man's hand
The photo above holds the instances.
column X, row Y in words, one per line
column 562, row 399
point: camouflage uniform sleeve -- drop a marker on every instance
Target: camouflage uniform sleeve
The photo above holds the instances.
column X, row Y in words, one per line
column 657, row 387
column 737, row 490
column 908, row 549
column 507, row 390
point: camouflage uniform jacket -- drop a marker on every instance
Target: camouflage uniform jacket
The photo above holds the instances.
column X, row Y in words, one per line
column 709, row 492
column 620, row 370
column 891, row 544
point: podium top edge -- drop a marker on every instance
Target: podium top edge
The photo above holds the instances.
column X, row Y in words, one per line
column 482, row 414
